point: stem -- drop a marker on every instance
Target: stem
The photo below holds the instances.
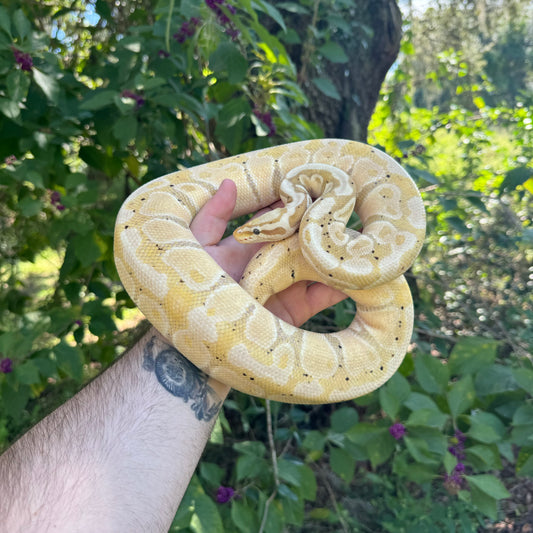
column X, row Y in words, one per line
column 274, row 459
column 169, row 20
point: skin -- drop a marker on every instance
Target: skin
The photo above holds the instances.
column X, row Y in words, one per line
column 119, row 455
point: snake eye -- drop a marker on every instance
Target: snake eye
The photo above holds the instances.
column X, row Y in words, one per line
column 256, row 231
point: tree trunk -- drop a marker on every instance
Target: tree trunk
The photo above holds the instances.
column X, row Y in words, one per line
column 376, row 27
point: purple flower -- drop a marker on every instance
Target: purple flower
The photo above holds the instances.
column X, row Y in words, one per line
column 139, row 100
column 6, row 365
column 10, row 160
column 187, row 29
column 459, row 468
column 457, row 449
column 266, row 119
column 455, row 481
column 222, row 18
column 224, row 494
column 24, row 60
column 460, row 436
column 55, row 200
column 163, row 53
column 397, row 430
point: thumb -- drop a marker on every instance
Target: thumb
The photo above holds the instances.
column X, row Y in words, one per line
column 210, row 223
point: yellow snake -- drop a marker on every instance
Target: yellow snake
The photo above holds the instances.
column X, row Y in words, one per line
column 221, row 326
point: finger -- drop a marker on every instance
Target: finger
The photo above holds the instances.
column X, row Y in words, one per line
column 320, row 297
column 210, row 223
column 299, row 302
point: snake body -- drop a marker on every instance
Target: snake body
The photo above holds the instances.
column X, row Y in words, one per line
column 221, row 326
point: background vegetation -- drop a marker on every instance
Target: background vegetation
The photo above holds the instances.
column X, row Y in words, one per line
column 98, row 97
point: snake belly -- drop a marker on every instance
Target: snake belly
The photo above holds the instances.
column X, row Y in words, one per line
column 222, row 326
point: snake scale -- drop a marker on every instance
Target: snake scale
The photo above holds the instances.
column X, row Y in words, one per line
column 221, row 326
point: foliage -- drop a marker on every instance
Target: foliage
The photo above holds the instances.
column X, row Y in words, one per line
column 98, row 98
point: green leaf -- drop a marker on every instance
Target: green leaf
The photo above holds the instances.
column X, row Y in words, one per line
column 231, row 125
column 308, row 485
column 421, row 175
column 326, row 86
column 419, row 450
column 22, row 24
column 524, row 462
column 484, row 457
column 432, row 375
column 254, row 448
column 69, row 359
column 212, row 473
column 14, row 399
column 86, row 249
column 18, row 83
column 48, row 85
column 249, row 466
column 449, row 461
column 490, row 485
column 244, row 517
column 436, row 441
column 27, row 373
column 30, row 207
column 522, row 435
column 125, row 130
column 314, row 440
column 299, row 475
column 343, row 419
column 9, row 108
column 523, row 415
column 15, row 343
column 289, row 471
column 333, row 52
column 375, row 440
column 515, row 177
column 404, row 466
column 457, row 224
column 206, row 518
column 483, row 502
column 98, row 99
column 495, row 379
column 486, row 427
column 101, row 160
column 393, row 394
column 524, row 378
column 342, row 463
column 427, row 417
column 270, row 10
column 5, row 23
column 366, row 433
column 471, row 354
column 417, row 400
column 461, row 396
column 228, row 59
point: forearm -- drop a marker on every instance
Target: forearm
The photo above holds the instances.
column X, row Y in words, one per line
column 119, row 455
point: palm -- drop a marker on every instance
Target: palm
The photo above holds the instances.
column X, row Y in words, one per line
column 295, row 304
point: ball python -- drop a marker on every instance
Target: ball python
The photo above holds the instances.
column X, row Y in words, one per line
column 222, row 326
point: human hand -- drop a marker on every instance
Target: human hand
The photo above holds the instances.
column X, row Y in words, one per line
column 297, row 303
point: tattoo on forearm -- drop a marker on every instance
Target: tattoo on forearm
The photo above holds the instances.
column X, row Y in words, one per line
column 181, row 378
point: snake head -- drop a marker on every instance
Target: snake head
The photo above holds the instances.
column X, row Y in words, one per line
column 269, row 227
